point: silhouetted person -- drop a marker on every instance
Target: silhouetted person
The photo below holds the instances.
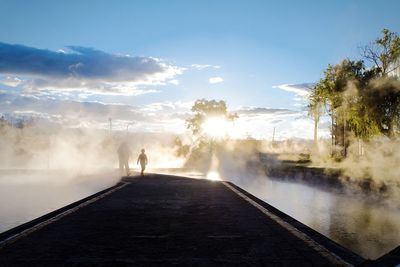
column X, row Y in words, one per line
column 143, row 161
column 124, row 153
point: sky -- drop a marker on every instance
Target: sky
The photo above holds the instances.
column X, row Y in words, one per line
column 144, row 63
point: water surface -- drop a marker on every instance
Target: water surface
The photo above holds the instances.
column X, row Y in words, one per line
column 26, row 195
column 361, row 223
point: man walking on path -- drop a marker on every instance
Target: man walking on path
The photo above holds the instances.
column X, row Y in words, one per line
column 143, row 161
column 124, row 153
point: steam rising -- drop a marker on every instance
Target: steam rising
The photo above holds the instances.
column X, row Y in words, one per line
column 213, row 173
column 375, row 159
column 79, row 151
column 363, row 222
column 44, row 168
column 379, row 161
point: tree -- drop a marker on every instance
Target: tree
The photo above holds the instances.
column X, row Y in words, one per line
column 182, row 150
column 361, row 102
column 203, row 151
column 329, row 93
column 204, row 109
column 315, row 110
column 384, row 52
column 382, row 97
column 382, row 93
column 358, row 118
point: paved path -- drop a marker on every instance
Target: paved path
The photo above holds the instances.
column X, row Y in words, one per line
column 163, row 220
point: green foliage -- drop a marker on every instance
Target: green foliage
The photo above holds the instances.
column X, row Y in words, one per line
column 358, row 118
column 181, row 150
column 315, row 105
column 382, row 96
column 361, row 102
column 328, row 92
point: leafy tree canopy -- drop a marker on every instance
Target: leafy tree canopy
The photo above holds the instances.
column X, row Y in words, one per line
column 384, row 52
column 204, row 109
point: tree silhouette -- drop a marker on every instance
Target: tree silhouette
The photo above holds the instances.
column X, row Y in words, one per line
column 204, row 109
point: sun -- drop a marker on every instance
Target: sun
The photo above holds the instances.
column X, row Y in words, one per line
column 213, row 176
column 216, row 127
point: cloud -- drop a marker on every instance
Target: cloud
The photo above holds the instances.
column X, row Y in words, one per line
column 40, row 87
column 20, row 104
column 259, row 110
column 214, row 80
column 11, row 81
column 204, row 66
column 302, row 89
column 82, row 67
column 157, row 117
column 174, row 82
column 259, row 123
column 168, row 106
column 285, row 123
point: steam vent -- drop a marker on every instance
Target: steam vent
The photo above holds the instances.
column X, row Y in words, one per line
column 162, row 220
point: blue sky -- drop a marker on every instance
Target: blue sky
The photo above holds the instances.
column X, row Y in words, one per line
column 250, row 47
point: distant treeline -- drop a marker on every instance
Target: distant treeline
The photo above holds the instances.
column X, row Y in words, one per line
column 16, row 122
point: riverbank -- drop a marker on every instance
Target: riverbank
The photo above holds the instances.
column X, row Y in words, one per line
column 334, row 178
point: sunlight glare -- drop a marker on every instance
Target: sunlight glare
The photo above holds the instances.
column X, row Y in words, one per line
column 213, row 176
column 216, row 127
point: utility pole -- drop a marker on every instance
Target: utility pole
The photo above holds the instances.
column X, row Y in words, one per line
column 110, row 120
column 332, row 137
column 273, row 136
column 344, row 135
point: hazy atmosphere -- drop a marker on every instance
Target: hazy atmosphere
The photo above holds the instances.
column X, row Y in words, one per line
column 296, row 102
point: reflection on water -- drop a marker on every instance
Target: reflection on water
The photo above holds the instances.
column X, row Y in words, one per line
column 366, row 226
column 27, row 195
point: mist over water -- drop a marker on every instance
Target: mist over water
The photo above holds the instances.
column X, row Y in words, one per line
column 363, row 222
column 44, row 168
column 26, row 195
